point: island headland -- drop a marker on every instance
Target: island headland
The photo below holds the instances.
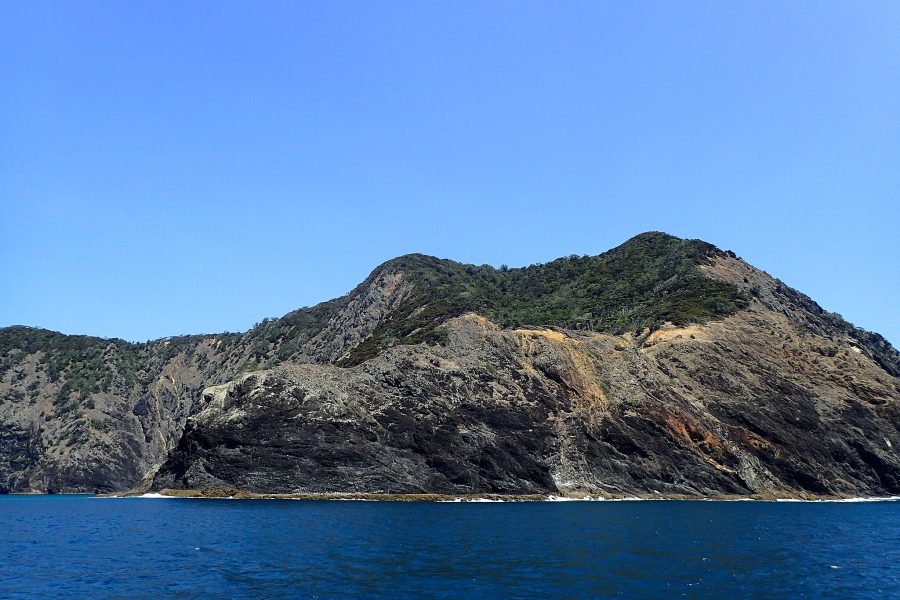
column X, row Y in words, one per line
column 663, row 368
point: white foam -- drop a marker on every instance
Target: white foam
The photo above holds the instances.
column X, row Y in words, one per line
column 727, row 500
column 472, row 500
column 555, row 498
column 148, row 495
column 882, row 499
column 348, row 499
column 876, row 499
column 550, row 498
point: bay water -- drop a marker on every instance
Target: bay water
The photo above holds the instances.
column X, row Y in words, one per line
column 82, row 546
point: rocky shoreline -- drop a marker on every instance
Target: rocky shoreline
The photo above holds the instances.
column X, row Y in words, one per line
column 236, row 494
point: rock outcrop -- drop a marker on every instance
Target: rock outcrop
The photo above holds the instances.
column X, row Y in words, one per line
column 699, row 411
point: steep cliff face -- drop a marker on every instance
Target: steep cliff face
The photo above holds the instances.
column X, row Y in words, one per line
column 96, row 414
column 732, row 407
column 663, row 365
column 84, row 414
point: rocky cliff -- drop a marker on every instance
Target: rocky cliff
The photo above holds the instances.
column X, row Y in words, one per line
column 662, row 366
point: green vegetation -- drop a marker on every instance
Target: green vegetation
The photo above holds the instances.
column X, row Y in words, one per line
column 85, row 365
column 88, row 364
column 830, row 351
column 276, row 340
column 651, row 279
column 250, row 365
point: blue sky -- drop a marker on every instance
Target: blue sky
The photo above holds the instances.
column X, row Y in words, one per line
column 173, row 167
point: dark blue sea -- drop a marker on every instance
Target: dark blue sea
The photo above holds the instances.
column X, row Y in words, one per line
column 86, row 547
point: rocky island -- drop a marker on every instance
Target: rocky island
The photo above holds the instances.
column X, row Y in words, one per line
column 661, row 368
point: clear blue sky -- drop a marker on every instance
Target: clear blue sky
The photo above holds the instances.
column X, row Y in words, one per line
column 187, row 167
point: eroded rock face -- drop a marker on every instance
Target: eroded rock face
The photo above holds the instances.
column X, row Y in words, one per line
column 54, row 440
column 729, row 408
column 419, row 420
column 112, row 411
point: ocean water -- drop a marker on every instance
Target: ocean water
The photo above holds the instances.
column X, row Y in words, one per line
column 81, row 546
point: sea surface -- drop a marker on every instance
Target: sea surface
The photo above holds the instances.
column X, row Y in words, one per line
column 86, row 547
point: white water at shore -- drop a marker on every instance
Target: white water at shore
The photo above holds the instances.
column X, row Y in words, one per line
column 881, row 499
column 554, row 498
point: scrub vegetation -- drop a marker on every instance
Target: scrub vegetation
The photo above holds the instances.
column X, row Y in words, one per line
column 651, row 279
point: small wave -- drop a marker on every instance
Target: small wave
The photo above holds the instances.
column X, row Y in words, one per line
column 473, row 500
column 550, row 498
column 553, row 498
column 876, row 499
